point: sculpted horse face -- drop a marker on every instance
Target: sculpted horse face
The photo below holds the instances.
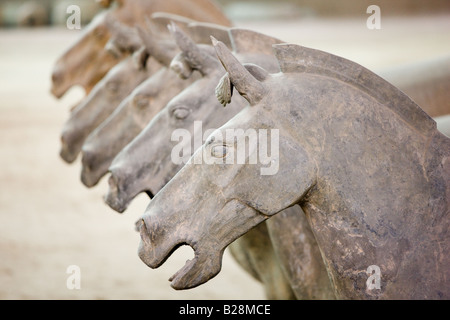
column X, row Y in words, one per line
column 366, row 164
column 125, row 39
column 134, row 112
column 129, row 172
column 119, row 82
column 100, row 103
column 87, row 60
column 100, row 109
column 138, row 168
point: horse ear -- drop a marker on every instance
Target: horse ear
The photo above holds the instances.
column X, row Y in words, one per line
column 195, row 57
column 249, row 86
column 178, row 64
column 224, row 90
column 140, row 58
column 160, row 49
column 256, row 71
column 181, row 67
column 123, row 39
column 111, row 45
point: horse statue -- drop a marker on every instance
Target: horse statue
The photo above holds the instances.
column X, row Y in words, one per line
column 89, row 59
column 365, row 163
column 115, row 86
column 140, row 168
column 100, row 102
column 136, row 110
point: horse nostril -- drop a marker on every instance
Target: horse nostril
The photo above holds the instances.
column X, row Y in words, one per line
column 112, row 49
column 141, row 227
column 63, row 139
column 88, row 158
column 176, row 66
column 113, row 183
column 115, row 196
column 138, row 224
column 57, row 76
column 67, row 137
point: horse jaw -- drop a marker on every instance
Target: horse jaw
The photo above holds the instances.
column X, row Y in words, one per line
column 204, row 266
column 208, row 235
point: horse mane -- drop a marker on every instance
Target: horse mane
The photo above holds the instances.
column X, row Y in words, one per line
column 298, row 59
column 160, row 20
column 201, row 32
column 248, row 41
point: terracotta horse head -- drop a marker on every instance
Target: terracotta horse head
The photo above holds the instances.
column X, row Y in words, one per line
column 88, row 60
column 364, row 162
column 140, row 168
column 133, row 170
column 100, row 103
column 136, row 110
column 118, row 83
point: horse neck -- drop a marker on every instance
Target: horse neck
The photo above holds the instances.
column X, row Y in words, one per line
column 301, row 60
column 381, row 189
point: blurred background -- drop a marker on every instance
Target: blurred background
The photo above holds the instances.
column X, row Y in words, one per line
column 52, row 12
column 49, row 220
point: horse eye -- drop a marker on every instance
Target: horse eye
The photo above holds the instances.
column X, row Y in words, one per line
column 99, row 33
column 112, row 87
column 219, row 151
column 141, row 103
column 180, row 113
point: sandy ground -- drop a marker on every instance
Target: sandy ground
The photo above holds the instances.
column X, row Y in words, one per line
column 50, row 221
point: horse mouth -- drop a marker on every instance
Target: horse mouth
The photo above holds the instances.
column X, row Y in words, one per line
column 195, row 272
column 88, row 178
column 150, row 194
column 115, row 198
column 115, row 202
column 182, row 279
column 56, row 89
column 151, row 253
column 67, row 154
column 59, row 88
column 120, row 194
column 57, row 93
column 93, row 169
column 204, row 266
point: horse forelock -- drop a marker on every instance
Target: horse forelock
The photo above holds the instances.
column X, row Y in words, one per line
column 298, row 59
